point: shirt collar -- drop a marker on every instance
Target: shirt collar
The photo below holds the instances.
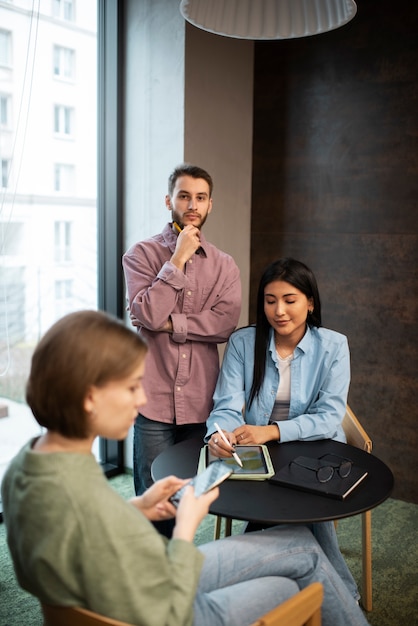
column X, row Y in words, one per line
column 303, row 345
column 306, row 341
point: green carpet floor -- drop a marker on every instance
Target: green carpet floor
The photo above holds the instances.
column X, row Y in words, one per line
column 395, row 564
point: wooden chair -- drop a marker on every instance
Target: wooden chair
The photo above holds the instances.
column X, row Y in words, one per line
column 357, row 437
column 303, row 609
column 75, row 616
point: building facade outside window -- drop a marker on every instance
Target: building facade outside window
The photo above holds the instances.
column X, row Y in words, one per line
column 48, row 194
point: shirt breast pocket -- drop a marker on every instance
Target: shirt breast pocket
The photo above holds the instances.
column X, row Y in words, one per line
column 208, row 297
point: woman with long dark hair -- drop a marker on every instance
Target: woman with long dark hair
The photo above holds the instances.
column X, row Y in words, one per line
column 286, row 378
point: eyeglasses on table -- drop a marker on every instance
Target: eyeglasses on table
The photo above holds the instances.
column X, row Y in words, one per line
column 324, row 473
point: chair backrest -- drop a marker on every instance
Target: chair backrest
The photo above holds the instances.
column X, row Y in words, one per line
column 354, row 432
column 303, row 609
column 75, row 616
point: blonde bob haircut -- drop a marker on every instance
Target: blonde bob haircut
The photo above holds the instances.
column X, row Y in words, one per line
column 81, row 350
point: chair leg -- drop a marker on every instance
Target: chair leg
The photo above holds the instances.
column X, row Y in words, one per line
column 367, row 587
column 218, row 525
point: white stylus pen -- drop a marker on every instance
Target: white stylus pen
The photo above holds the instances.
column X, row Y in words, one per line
column 234, row 454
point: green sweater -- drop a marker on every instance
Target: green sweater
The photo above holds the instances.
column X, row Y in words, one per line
column 74, row 541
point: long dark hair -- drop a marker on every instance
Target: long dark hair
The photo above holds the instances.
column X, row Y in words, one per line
column 300, row 276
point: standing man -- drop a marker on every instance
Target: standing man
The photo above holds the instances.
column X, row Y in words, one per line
column 185, row 298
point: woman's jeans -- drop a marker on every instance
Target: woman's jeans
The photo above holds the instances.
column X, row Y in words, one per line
column 244, row 576
column 325, row 534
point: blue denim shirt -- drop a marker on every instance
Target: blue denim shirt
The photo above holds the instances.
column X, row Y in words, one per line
column 320, row 378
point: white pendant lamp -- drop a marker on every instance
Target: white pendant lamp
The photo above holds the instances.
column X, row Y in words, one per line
column 268, row 19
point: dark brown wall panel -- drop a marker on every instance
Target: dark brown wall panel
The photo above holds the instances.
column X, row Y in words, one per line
column 335, row 184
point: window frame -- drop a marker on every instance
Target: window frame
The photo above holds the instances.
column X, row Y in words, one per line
column 110, row 190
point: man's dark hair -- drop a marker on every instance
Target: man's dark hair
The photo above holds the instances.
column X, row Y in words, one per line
column 186, row 169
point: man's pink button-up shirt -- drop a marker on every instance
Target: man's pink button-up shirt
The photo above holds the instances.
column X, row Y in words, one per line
column 204, row 304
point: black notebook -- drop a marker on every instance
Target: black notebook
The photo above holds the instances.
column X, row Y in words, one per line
column 305, row 479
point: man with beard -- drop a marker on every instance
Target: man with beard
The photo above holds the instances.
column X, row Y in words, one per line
column 185, row 298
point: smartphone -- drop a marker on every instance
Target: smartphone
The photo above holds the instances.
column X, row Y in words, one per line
column 212, row 476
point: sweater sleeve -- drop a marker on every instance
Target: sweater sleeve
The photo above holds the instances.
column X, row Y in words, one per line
column 136, row 575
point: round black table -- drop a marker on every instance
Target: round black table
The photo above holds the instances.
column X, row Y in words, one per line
column 263, row 502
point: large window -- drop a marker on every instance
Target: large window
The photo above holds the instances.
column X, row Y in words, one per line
column 49, row 210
